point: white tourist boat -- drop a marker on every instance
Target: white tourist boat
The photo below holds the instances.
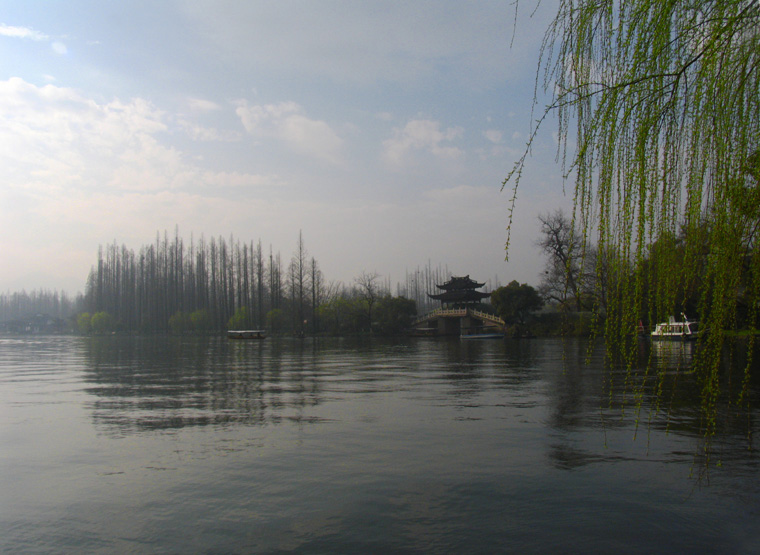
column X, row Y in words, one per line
column 676, row 331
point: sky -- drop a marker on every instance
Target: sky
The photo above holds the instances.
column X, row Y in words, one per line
column 381, row 131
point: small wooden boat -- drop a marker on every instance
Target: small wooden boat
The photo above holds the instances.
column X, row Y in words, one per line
column 246, row 334
column 676, row 331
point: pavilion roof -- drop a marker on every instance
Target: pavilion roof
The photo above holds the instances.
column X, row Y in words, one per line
column 460, row 296
column 458, row 283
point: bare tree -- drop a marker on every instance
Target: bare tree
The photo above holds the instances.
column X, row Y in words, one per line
column 259, row 265
column 298, row 274
column 566, row 279
column 315, row 285
column 369, row 291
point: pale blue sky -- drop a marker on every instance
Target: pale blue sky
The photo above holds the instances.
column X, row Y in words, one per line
column 382, row 130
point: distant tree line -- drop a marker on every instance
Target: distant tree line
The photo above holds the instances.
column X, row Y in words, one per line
column 581, row 278
column 22, row 307
column 204, row 285
column 583, row 285
column 216, row 284
column 210, row 285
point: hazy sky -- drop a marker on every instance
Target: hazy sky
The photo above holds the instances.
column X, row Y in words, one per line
column 382, row 130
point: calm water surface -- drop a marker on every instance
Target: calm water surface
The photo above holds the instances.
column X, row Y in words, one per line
column 177, row 445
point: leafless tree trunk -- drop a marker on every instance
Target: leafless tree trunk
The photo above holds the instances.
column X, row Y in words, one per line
column 369, row 291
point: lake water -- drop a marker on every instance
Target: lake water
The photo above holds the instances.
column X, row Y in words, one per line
column 202, row 445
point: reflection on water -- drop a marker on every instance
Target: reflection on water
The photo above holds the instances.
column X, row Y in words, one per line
column 146, row 383
column 673, row 355
column 164, row 384
column 188, row 444
column 168, row 384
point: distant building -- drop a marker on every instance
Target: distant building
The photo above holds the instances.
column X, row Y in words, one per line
column 460, row 291
column 462, row 312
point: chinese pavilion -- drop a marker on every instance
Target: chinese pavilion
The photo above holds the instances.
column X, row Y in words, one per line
column 460, row 291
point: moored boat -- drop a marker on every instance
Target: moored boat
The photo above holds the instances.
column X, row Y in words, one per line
column 676, row 331
column 246, row 334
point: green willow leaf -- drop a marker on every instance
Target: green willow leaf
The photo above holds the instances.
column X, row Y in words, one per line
column 658, row 105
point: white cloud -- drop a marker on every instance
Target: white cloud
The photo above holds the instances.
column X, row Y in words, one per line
column 21, row 32
column 207, row 134
column 423, row 135
column 498, row 148
column 311, row 137
column 264, row 120
column 75, row 172
column 493, row 135
column 237, row 180
column 59, row 48
column 286, row 122
column 53, row 139
column 202, row 105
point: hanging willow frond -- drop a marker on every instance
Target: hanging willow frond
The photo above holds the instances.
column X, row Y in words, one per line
column 658, row 104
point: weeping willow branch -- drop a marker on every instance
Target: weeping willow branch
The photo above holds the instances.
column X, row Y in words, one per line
column 658, row 109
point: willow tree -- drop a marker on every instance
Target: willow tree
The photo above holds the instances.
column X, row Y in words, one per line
column 658, row 104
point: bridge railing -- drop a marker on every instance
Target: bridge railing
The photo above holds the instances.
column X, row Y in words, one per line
column 460, row 312
column 442, row 312
column 489, row 317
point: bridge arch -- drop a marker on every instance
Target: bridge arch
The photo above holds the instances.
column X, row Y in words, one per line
column 458, row 321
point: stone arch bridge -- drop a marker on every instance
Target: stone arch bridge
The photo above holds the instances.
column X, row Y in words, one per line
column 457, row 321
